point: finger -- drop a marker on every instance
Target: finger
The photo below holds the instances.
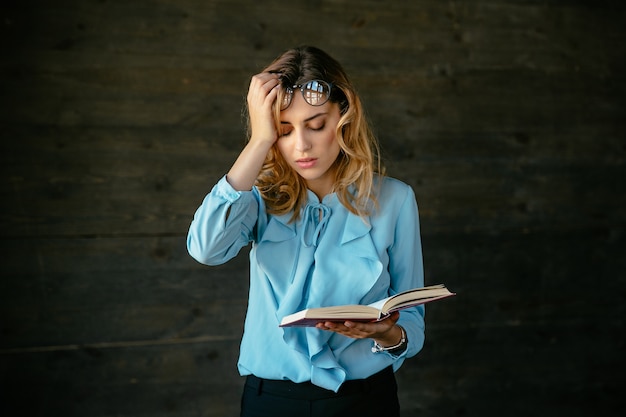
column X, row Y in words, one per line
column 263, row 88
column 354, row 329
column 336, row 327
column 331, row 325
column 264, row 78
column 273, row 92
column 370, row 329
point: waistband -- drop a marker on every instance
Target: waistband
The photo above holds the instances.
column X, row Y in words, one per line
column 307, row 390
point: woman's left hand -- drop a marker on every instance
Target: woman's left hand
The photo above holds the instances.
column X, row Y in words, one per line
column 385, row 332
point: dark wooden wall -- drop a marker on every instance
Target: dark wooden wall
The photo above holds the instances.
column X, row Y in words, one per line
column 507, row 118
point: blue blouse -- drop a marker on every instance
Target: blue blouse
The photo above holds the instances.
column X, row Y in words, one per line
column 327, row 257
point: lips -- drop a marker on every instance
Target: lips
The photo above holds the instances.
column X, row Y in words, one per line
column 306, row 162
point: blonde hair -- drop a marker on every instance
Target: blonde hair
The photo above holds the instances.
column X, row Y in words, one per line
column 282, row 189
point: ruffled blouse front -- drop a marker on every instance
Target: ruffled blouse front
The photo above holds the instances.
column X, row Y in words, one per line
column 327, row 257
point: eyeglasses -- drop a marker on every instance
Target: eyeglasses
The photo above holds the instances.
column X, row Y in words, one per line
column 315, row 93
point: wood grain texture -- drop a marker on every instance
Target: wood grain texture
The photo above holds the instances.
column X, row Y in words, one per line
column 506, row 117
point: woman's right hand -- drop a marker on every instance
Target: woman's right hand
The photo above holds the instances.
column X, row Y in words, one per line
column 261, row 95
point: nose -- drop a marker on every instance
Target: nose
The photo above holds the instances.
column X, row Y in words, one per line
column 302, row 142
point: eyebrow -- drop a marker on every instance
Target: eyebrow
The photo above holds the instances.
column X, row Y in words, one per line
column 309, row 118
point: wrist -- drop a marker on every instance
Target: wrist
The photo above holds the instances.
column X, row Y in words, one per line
column 263, row 140
column 394, row 349
column 391, row 337
column 245, row 170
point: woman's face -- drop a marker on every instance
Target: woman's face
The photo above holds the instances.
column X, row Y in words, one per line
column 307, row 141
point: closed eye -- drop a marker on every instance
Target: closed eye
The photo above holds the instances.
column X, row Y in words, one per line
column 285, row 132
column 316, row 128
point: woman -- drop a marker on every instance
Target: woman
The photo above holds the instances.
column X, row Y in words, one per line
column 327, row 228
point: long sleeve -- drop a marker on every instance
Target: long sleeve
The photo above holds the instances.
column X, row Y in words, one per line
column 222, row 225
column 407, row 271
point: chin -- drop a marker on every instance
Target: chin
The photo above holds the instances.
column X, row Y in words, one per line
column 309, row 176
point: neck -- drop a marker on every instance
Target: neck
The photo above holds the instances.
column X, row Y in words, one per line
column 323, row 186
column 318, row 190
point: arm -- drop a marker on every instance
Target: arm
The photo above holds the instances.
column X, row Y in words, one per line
column 224, row 222
column 407, row 269
column 222, row 225
column 262, row 93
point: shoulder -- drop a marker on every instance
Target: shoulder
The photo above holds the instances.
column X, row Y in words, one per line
column 392, row 189
column 396, row 203
column 395, row 200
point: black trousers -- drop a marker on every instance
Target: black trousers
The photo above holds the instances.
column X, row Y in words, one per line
column 376, row 396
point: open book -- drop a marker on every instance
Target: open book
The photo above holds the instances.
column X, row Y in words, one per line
column 379, row 310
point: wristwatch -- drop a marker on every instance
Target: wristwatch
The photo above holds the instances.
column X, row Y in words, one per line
column 395, row 349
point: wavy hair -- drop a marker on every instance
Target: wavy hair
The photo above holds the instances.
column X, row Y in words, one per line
column 282, row 189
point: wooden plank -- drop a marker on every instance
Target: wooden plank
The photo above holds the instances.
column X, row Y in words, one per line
column 536, row 369
column 182, row 380
column 111, row 290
